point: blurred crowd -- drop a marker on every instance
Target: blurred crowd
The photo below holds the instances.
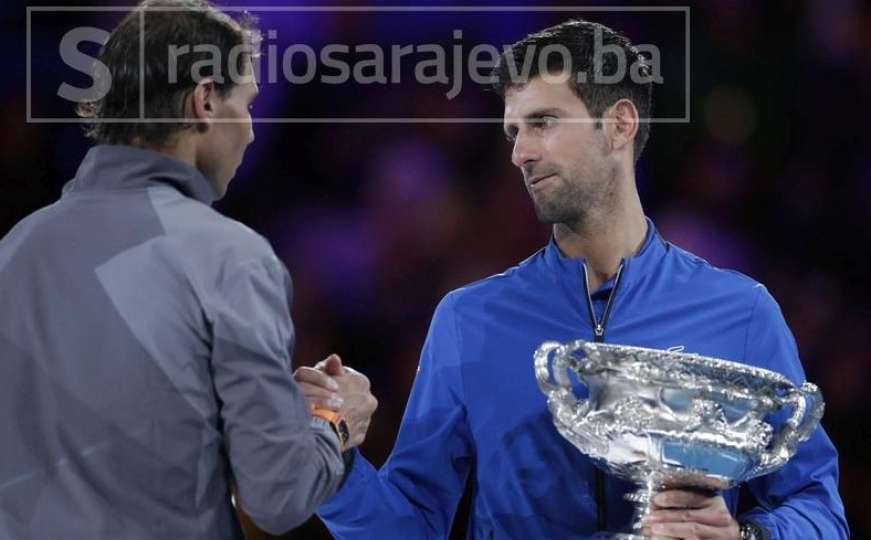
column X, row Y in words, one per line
column 376, row 222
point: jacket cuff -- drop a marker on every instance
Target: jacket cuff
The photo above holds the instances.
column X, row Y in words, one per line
column 352, row 482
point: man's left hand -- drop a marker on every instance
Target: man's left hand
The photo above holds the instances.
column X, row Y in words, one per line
column 691, row 516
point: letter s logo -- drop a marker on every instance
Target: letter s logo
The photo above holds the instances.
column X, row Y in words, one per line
column 73, row 57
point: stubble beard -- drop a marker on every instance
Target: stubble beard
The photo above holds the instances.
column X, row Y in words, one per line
column 571, row 203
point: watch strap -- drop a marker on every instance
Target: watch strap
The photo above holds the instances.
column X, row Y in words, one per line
column 752, row 531
column 337, row 422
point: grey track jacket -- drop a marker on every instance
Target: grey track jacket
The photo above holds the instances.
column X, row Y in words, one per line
column 145, row 346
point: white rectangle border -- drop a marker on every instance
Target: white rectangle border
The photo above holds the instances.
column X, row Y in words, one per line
column 685, row 119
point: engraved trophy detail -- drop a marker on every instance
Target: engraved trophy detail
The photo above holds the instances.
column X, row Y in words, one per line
column 664, row 419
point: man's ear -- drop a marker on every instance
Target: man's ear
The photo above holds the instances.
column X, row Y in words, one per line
column 203, row 103
column 621, row 124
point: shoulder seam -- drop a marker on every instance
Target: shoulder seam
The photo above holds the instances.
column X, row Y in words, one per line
column 458, row 348
column 507, row 273
column 239, row 267
column 750, row 320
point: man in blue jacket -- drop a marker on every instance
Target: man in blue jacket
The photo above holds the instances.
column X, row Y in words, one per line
column 475, row 412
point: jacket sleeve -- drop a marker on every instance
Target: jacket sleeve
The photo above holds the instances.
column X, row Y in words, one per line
column 801, row 499
column 416, row 492
column 284, row 464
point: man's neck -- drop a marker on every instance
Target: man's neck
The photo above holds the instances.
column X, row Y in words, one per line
column 178, row 147
column 605, row 238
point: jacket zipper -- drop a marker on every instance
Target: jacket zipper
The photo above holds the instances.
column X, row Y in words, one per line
column 599, row 337
column 600, row 325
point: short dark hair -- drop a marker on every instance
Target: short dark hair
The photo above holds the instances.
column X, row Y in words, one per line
column 579, row 38
column 167, row 23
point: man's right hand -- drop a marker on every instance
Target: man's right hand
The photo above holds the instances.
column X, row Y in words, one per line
column 331, row 385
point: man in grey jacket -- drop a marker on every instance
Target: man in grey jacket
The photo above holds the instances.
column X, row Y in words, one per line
column 145, row 340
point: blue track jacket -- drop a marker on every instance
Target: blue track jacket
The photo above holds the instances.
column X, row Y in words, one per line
column 476, row 412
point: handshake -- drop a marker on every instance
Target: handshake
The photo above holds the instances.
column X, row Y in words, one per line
column 330, row 385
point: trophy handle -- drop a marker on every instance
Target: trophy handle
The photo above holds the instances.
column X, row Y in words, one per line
column 542, row 368
column 568, row 411
column 561, row 362
column 796, row 430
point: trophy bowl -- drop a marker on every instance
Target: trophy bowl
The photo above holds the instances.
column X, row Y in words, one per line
column 665, row 420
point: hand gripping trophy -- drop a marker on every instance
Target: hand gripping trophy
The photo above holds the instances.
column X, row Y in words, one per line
column 667, row 420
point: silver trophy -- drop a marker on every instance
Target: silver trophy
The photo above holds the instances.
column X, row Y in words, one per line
column 664, row 419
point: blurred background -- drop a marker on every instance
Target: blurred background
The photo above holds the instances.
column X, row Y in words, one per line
column 377, row 221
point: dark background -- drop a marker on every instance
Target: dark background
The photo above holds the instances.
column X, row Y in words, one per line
column 376, row 222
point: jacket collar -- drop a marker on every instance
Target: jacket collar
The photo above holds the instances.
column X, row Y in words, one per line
column 569, row 272
column 109, row 167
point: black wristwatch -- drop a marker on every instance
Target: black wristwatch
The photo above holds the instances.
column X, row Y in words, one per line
column 752, row 531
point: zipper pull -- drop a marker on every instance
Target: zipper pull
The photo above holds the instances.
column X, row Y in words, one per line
column 599, row 330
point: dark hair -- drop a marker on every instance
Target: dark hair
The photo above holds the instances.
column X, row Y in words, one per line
column 580, row 38
column 167, row 23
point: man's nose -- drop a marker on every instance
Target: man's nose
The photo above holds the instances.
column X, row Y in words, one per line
column 526, row 151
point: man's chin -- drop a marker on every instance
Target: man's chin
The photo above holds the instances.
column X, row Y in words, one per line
column 545, row 217
column 544, row 211
column 553, row 215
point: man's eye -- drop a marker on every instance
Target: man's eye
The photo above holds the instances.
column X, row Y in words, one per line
column 538, row 123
